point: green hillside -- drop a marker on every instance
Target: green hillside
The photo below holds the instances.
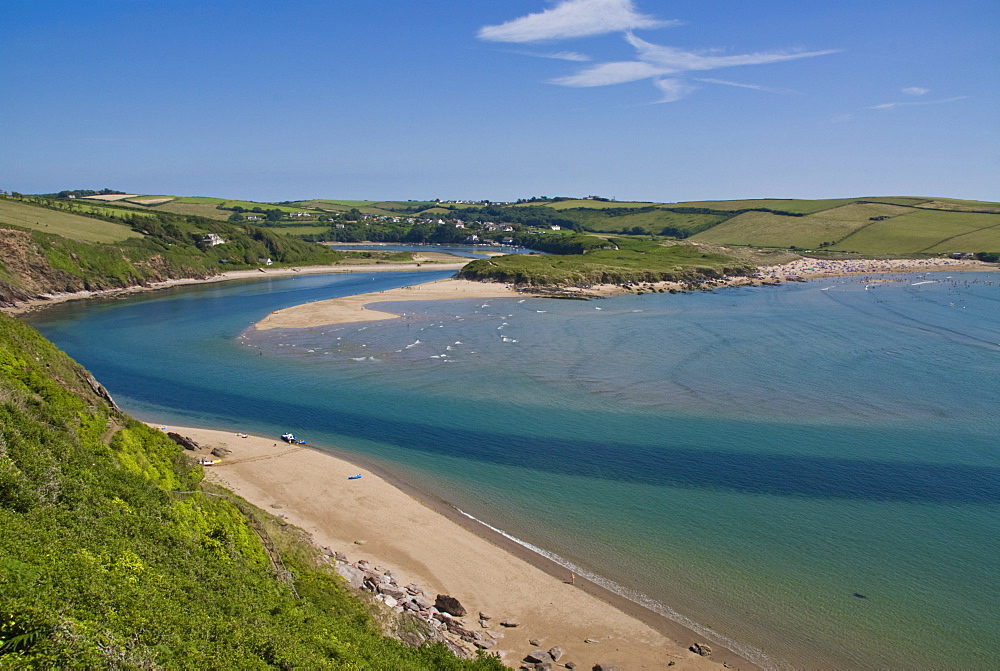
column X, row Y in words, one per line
column 115, row 554
column 152, row 247
column 879, row 226
column 620, row 261
column 64, row 222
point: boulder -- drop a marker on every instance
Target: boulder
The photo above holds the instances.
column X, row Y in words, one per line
column 555, row 653
column 485, row 616
column 534, row 642
column 455, row 627
column 701, row 649
column 394, row 592
column 607, row 667
column 509, row 623
column 183, row 441
column 354, row 576
column 422, row 603
column 538, row 656
column 388, row 600
column 449, row 604
column 221, row 452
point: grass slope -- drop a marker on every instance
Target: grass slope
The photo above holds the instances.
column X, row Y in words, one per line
column 885, row 226
column 764, row 229
column 927, row 231
column 66, row 224
column 34, row 262
column 114, row 555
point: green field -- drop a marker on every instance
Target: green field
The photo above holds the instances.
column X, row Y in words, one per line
column 249, row 205
column 194, row 209
column 850, row 228
column 764, row 229
column 925, row 231
column 651, row 222
column 583, row 202
column 200, row 200
column 72, row 226
column 300, row 230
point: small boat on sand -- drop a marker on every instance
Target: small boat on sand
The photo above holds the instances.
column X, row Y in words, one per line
column 353, row 477
column 290, row 438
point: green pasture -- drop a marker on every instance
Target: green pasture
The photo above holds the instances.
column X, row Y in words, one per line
column 249, row 205
column 765, row 229
column 335, row 203
column 652, row 222
column 104, row 210
column 299, row 230
column 953, row 204
column 200, row 200
column 927, row 231
column 906, row 201
column 784, row 205
column 207, row 210
column 584, row 203
column 72, row 226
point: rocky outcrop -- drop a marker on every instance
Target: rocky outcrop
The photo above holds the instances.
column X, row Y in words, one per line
column 449, row 604
column 436, row 620
column 183, row 441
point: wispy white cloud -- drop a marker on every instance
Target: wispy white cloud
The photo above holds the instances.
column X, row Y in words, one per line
column 658, row 62
column 574, row 56
column 755, row 87
column 889, row 106
column 572, row 18
column 673, row 60
column 916, row 91
column 672, row 89
column 606, row 74
column 664, row 65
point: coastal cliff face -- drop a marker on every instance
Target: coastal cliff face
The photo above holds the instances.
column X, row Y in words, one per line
column 24, row 272
column 33, row 265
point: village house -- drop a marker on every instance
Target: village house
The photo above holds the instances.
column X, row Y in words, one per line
column 213, row 240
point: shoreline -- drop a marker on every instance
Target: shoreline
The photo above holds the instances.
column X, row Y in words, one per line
column 259, row 273
column 353, row 309
column 484, row 569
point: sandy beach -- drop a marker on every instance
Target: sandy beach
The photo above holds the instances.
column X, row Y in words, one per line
column 426, row 542
column 354, row 308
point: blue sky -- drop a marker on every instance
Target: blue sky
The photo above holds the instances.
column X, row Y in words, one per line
column 631, row 99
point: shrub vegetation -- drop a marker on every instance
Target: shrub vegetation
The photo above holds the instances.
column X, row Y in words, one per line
column 114, row 554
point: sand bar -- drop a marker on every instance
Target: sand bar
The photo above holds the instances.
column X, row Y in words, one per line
column 425, row 541
column 354, row 308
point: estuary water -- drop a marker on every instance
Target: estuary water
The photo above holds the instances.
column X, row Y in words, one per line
column 807, row 473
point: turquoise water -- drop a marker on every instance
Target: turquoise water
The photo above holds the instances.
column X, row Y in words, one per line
column 747, row 461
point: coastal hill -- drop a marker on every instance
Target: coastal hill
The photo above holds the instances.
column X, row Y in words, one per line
column 881, row 225
column 87, row 240
column 115, row 554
